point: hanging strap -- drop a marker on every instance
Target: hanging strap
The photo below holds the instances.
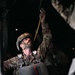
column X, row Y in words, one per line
column 38, row 22
column 35, row 69
column 37, row 30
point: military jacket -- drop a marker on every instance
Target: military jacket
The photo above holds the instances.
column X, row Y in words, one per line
column 20, row 60
column 44, row 49
column 43, row 53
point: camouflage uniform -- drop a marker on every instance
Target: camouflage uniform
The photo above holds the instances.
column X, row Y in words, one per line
column 45, row 48
column 42, row 53
column 19, row 61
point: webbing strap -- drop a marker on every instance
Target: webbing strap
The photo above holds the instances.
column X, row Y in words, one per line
column 35, row 70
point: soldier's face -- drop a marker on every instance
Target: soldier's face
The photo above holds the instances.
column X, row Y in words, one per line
column 26, row 43
column 26, row 46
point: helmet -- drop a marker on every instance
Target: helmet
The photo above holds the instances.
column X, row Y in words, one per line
column 21, row 37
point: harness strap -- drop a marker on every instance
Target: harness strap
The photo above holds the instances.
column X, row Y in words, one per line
column 35, row 69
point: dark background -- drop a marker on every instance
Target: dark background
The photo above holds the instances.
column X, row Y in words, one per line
column 24, row 16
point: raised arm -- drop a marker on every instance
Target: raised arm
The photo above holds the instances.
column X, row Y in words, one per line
column 47, row 36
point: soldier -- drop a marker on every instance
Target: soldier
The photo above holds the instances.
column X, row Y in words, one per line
column 24, row 43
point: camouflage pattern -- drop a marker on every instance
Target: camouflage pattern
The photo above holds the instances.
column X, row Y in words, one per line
column 19, row 61
column 46, row 44
column 44, row 54
column 44, row 49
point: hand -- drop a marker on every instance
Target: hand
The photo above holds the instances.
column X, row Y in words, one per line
column 42, row 15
